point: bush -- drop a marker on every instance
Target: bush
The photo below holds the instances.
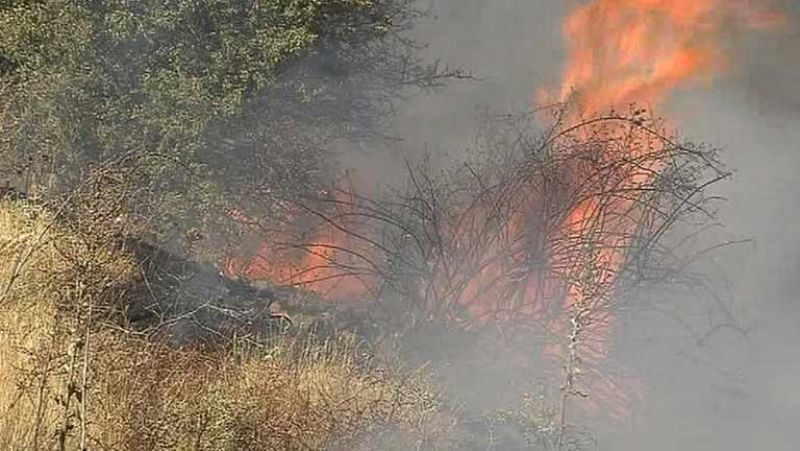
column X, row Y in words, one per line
column 225, row 104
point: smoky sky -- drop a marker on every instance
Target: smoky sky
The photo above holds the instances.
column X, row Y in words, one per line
column 735, row 389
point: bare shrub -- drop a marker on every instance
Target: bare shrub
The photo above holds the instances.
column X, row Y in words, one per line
column 508, row 237
column 546, row 233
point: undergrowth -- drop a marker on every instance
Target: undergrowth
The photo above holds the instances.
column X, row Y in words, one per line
column 77, row 381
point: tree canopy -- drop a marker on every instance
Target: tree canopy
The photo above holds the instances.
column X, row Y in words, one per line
column 218, row 102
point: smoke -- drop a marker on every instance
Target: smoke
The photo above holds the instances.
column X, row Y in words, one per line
column 749, row 115
column 509, row 46
column 718, row 367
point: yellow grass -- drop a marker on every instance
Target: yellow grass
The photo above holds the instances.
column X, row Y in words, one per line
column 143, row 395
column 28, row 262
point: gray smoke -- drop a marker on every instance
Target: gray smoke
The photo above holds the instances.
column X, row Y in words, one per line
column 719, row 374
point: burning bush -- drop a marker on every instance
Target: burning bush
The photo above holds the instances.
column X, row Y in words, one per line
column 528, row 252
column 534, row 244
column 506, row 240
column 545, row 233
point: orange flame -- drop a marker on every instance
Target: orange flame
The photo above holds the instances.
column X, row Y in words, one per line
column 322, row 262
column 624, row 51
column 620, row 52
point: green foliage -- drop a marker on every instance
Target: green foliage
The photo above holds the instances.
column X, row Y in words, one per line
column 218, row 100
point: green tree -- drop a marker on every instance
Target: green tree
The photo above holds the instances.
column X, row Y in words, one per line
column 220, row 103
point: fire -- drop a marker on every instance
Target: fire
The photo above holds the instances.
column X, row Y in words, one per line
column 623, row 53
column 638, row 51
column 486, row 295
column 315, row 267
column 620, row 52
column 322, row 261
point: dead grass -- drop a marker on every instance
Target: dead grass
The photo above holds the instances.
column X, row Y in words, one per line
column 139, row 395
column 152, row 397
column 43, row 268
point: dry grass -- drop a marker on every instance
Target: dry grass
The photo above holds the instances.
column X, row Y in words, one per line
column 41, row 277
column 136, row 395
column 157, row 398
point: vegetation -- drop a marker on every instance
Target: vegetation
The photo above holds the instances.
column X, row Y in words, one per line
column 532, row 249
column 71, row 376
column 218, row 102
column 92, row 386
column 191, row 126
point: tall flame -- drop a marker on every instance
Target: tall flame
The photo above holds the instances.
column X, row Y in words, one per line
column 624, row 52
column 620, row 52
column 638, row 51
column 635, row 52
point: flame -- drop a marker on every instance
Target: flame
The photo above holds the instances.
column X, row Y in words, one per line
column 315, row 267
column 486, row 295
column 620, row 53
column 322, row 262
column 626, row 52
column 638, row 51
